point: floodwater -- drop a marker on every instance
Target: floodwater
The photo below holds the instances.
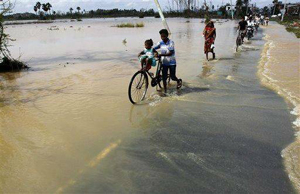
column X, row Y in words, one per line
column 67, row 126
column 280, row 71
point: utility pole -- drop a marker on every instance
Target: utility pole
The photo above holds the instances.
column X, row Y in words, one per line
column 284, row 10
column 162, row 16
column 231, row 9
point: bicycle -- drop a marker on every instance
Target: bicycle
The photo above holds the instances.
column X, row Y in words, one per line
column 139, row 83
column 239, row 40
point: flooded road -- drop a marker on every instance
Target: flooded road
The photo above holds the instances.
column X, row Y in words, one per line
column 67, row 126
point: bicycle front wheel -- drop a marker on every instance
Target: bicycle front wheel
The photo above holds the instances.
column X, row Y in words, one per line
column 237, row 44
column 138, row 87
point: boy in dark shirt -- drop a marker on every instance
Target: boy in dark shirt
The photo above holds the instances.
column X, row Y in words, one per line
column 243, row 28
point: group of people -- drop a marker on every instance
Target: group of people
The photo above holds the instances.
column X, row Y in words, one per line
column 264, row 20
column 250, row 23
column 167, row 56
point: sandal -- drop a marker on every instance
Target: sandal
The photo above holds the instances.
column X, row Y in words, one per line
column 179, row 84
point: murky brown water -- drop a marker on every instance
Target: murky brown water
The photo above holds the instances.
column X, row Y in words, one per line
column 280, row 71
column 67, row 124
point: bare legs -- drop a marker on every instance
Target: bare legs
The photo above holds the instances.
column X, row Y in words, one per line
column 146, row 61
column 172, row 75
column 213, row 54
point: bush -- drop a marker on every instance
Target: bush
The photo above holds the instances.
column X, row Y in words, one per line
column 8, row 64
column 139, row 25
column 125, row 25
column 131, row 25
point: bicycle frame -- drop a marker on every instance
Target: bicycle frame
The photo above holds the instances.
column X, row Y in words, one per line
column 158, row 70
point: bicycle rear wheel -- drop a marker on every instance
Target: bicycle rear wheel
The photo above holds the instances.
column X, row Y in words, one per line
column 238, row 43
column 138, row 87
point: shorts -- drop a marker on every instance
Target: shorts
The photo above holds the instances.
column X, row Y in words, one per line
column 153, row 61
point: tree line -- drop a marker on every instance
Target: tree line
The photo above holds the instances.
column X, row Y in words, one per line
column 45, row 11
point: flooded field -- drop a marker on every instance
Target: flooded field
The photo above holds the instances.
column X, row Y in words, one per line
column 67, row 126
column 280, row 71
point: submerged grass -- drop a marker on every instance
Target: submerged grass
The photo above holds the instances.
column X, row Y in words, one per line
column 139, row 25
column 291, row 25
column 296, row 31
column 130, row 25
column 30, row 22
column 125, row 25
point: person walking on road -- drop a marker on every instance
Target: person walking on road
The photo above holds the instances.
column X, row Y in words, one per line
column 209, row 34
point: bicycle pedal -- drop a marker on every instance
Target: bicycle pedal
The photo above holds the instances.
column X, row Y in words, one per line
column 153, row 83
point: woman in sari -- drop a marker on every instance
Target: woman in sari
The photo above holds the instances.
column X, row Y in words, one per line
column 210, row 36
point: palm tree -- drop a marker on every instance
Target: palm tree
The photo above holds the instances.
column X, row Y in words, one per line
column 71, row 10
column 49, row 6
column 44, row 7
column 35, row 9
column 38, row 5
column 78, row 9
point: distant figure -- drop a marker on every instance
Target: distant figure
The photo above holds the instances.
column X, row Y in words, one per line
column 209, row 34
column 168, row 58
column 262, row 18
column 251, row 22
column 147, row 55
column 267, row 20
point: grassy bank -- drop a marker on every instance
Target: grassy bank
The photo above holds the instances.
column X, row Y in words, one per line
column 291, row 25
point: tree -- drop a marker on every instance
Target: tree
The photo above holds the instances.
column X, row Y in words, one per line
column 71, row 10
column 266, row 10
column 241, row 7
column 38, row 5
column 185, row 4
column 92, row 13
column 35, row 9
column 7, row 62
column 223, row 10
column 275, row 2
column 49, row 7
column 206, row 8
column 44, row 7
column 78, row 9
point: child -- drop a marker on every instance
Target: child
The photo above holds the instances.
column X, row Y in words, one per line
column 147, row 55
column 168, row 58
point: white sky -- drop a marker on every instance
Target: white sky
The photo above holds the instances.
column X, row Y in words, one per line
column 64, row 5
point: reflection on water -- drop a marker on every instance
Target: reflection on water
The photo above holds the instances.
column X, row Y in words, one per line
column 67, row 124
column 206, row 69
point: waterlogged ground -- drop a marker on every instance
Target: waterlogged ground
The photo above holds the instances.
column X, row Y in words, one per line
column 67, row 126
column 280, row 71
